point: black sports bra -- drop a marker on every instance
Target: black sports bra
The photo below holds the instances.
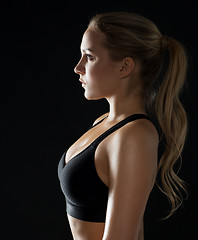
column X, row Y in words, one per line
column 86, row 195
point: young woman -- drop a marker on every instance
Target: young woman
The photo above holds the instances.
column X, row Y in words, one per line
column 108, row 174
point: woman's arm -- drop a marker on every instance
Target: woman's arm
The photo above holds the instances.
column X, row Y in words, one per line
column 132, row 156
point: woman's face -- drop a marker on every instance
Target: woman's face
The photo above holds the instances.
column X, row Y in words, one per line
column 98, row 72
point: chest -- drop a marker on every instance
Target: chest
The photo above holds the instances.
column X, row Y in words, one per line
column 99, row 153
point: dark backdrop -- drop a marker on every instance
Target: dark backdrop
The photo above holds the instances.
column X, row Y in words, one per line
column 43, row 111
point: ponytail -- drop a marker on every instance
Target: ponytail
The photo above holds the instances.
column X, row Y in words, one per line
column 172, row 119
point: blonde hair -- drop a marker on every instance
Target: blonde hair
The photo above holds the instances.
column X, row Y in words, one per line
column 163, row 70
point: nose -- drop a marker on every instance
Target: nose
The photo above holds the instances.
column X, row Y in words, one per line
column 79, row 68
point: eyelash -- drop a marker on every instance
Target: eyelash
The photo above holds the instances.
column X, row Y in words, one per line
column 89, row 57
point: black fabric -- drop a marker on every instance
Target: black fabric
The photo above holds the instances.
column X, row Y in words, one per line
column 86, row 195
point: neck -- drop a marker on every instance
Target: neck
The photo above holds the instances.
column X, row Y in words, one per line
column 122, row 107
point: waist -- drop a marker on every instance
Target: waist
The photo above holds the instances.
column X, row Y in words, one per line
column 92, row 214
column 83, row 230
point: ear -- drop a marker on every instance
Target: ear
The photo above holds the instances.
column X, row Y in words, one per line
column 127, row 67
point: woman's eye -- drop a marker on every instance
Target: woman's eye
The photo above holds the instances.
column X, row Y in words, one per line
column 89, row 57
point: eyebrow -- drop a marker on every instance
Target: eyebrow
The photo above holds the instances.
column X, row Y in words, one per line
column 88, row 49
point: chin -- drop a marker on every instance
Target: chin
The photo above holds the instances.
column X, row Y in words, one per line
column 92, row 97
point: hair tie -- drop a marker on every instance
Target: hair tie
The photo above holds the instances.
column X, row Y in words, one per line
column 164, row 43
column 165, row 58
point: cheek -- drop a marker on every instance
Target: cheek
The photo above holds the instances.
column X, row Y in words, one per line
column 98, row 72
column 97, row 82
column 93, row 73
column 93, row 70
column 101, row 78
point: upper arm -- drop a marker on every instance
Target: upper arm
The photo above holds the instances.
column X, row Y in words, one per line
column 132, row 168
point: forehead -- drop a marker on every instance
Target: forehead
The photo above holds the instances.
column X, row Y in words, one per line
column 92, row 40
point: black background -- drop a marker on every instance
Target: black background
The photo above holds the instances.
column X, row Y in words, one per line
column 43, row 111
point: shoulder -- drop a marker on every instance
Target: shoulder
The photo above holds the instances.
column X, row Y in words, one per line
column 100, row 118
column 136, row 143
column 141, row 131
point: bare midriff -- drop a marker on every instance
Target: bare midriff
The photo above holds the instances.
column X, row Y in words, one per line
column 82, row 230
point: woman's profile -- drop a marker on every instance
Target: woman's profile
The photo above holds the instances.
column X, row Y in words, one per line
column 108, row 173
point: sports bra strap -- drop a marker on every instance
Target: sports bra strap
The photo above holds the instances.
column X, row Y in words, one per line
column 118, row 125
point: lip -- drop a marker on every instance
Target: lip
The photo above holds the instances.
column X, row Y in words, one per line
column 82, row 81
